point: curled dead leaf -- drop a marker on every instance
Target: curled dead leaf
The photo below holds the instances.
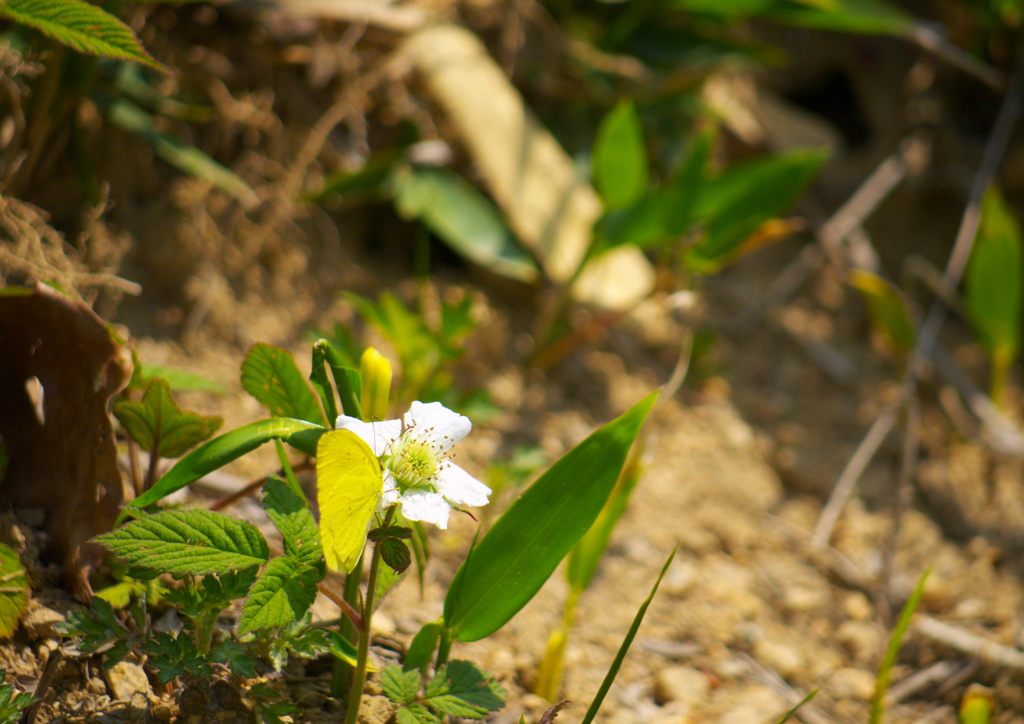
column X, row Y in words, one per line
column 59, row 369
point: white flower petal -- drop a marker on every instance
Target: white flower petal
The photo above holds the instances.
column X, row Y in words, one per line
column 460, row 487
column 378, row 435
column 435, row 422
column 390, row 493
column 428, row 507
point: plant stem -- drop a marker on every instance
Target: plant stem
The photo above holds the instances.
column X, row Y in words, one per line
column 341, row 676
column 444, row 647
column 359, row 678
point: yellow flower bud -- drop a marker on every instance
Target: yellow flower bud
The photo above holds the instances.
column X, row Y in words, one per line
column 375, row 372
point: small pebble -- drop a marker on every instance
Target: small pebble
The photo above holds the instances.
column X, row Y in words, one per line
column 95, row 686
column 856, row 606
column 680, row 683
column 862, row 639
column 784, row 658
column 851, row 683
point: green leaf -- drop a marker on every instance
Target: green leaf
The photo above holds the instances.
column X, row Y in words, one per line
column 423, row 645
column 178, row 379
column 871, row 17
column 395, row 554
column 237, row 658
column 368, row 182
column 893, row 651
column 346, row 377
column 187, row 541
column 293, row 518
column 218, row 452
column 587, row 554
column 173, row 656
column 82, row 26
column 159, row 426
column 463, row 218
column 12, row 705
column 341, row 648
column 400, row 685
column 887, row 309
column 620, row 170
column 187, row 159
column 462, row 690
column 514, row 559
column 97, row 627
column 737, row 203
column 281, row 595
column 322, row 385
column 13, row 590
column 620, row 656
column 415, row 714
column 270, row 375
column 994, row 281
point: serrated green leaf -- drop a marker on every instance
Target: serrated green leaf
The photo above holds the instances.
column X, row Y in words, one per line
column 521, row 550
column 281, row 595
column 218, row 452
column 293, row 518
column 400, row 685
column 188, row 542
column 159, row 426
column 415, row 714
column 395, row 554
column 237, row 658
column 173, row 656
column 463, row 218
column 270, row 375
column 13, row 590
column 620, row 171
column 179, row 380
column 887, row 309
column 461, row 689
column 82, row 26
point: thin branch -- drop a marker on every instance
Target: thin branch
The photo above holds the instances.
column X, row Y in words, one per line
column 971, row 644
column 901, row 499
column 928, row 332
column 345, row 606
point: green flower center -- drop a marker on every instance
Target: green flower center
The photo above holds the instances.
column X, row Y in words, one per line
column 415, row 464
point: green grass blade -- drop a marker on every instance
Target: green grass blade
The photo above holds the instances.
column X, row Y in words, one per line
column 230, row 446
column 518, row 554
column 789, row 714
column 613, row 671
column 893, row 651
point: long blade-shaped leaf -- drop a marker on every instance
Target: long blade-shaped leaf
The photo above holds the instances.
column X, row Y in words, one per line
column 613, row 670
column 516, row 557
column 893, row 651
column 82, row 26
column 620, row 158
column 230, row 446
column 187, row 159
column 188, row 541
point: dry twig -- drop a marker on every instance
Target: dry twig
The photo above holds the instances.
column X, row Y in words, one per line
column 928, row 332
column 971, row 644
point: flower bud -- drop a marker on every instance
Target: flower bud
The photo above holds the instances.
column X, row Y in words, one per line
column 375, row 372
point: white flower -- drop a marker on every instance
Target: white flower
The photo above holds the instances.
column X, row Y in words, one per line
column 414, row 454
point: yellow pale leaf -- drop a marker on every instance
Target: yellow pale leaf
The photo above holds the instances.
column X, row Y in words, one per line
column 349, row 484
